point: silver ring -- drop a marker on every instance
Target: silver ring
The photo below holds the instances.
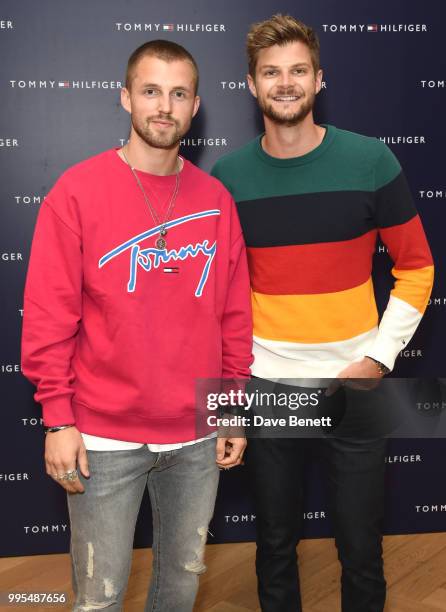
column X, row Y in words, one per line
column 71, row 475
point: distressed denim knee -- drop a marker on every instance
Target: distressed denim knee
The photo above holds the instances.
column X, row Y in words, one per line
column 99, row 592
column 196, row 563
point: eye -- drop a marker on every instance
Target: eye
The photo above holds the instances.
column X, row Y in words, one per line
column 151, row 91
column 299, row 71
column 180, row 95
column 270, row 72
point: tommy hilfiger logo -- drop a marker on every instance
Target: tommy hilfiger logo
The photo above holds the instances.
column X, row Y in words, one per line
column 200, row 141
column 243, row 85
column 11, row 256
column 33, row 529
column 151, row 258
column 432, row 194
column 62, row 84
column 403, row 459
column 411, row 353
column 403, row 139
column 374, row 27
column 439, row 84
column 9, row 142
column 431, row 508
column 14, row 477
column 10, row 368
column 29, row 199
column 170, row 27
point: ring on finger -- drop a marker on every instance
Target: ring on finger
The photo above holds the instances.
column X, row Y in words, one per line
column 70, row 475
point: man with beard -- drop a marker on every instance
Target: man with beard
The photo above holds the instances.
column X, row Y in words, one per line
column 312, row 200
column 128, row 302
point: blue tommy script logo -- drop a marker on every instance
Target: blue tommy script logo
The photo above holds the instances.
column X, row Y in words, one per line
column 152, row 258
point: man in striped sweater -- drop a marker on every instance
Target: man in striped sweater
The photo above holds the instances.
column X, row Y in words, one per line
column 312, row 200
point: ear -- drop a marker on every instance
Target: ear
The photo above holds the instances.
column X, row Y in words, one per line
column 318, row 81
column 252, row 85
column 125, row 100
column 196, row 105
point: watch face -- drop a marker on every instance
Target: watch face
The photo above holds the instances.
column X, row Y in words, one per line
column 382, row 369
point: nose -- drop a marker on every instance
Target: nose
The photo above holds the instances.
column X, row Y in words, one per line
column 165, row 104
column 284, row 79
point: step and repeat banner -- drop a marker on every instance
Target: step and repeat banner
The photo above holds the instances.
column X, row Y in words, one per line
column 63, row 64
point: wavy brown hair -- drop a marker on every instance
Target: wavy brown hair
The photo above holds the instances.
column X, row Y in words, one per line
column 280, row 30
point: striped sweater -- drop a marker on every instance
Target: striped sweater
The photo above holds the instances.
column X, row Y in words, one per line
column 311, row 225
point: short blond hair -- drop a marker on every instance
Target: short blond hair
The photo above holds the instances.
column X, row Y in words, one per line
column 166, row 50
column 280, row 30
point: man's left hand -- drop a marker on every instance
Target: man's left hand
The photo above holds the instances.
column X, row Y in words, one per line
column 365, row 369
column 230, row 451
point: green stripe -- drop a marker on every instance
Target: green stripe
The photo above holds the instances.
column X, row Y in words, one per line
column 343, row 161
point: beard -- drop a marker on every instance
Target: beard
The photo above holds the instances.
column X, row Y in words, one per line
column 286, row 118
column 157, row 139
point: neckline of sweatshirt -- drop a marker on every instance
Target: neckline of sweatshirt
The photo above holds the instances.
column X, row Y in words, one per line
column 329, row 136
column 158, row 188
column 161, row 179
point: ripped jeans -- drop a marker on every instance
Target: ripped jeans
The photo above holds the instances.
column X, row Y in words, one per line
column 182, row 485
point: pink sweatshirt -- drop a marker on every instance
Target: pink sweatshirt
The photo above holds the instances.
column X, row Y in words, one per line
column 116, row 332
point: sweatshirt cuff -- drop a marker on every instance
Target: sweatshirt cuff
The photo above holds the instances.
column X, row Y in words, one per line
column 385, row 349
column 58, row 411
column 397, row 326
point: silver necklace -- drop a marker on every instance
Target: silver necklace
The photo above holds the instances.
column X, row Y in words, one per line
column 160, row 242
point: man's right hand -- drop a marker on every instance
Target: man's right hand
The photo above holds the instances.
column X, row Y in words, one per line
column 65, row 451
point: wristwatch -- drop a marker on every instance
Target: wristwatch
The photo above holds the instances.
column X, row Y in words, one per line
column 382, row 369
column 57, row 428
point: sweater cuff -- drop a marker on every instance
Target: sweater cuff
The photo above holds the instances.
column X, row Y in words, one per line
column 396, row 328
column 58, row 411
column 385, row 350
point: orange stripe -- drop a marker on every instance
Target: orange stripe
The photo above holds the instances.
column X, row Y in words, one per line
column 314, row 318
column 414, row 286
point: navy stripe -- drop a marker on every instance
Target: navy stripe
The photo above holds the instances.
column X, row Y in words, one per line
column 394, row 203
column 306, row 218
column 329, row 216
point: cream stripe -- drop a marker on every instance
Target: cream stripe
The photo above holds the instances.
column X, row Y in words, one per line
column 273, row 358
column 398, row 325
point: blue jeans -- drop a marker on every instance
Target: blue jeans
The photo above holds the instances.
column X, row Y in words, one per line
column 182, row 485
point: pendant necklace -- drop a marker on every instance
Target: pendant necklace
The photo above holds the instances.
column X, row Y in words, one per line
column 160, row 242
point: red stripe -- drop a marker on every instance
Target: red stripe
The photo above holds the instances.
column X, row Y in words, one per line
column 312, row 268
column 407, row 245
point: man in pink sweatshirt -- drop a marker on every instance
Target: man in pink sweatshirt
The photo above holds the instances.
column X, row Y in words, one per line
column 137, row 287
